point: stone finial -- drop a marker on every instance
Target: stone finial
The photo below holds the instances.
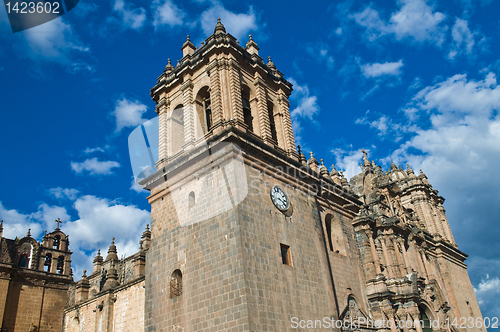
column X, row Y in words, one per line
column 270, row 64
column 393, row 166
column 112, row 253
column 84, row 274
column 366, row 162
column 313, row 163
column 29, row 232
column 111, row 278
column 251, row 46
column 178, row 63
column 409, row 171
column 169, row 67
column 302, row 157
column 334, row 175
column 202, row 43
column 219, row 27
column 323, row 170
column 98, row 257
column 188, row 47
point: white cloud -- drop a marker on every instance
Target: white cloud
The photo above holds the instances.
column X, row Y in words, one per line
column 137, row 188
column 17, row 224
column 371, row 70
column 94, row 166
column 348, row 161
column 64, row 193
column 415, row 19
column 128, row 113
column 463, row 39
column 54, row 41
column 487, row 294
column 130, row 18
column 237, row 24
column 92, row 150
column 110, row 218
column 307, row 107
column 166, row 13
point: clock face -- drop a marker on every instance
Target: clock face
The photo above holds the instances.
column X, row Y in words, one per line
column 279, row 198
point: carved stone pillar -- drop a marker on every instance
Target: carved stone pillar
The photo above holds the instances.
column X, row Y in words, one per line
column 368, row 263
column 162, row 110
column 289, row 140
column 235, row 92
column 446, row 224
column 388, row 262
column 403, row 265
column 53, row 265
column 374, row 252
column 189, row 114
column 215, row 96
column 263, row 114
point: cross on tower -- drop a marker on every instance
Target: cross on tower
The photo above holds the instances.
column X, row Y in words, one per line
column 58, row 221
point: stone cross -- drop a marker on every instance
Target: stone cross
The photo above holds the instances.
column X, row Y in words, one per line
column 58, row 221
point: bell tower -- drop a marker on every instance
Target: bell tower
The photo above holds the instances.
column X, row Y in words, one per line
column 235, row 222
column 217, row 85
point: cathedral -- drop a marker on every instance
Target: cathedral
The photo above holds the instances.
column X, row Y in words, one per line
column 247, row 234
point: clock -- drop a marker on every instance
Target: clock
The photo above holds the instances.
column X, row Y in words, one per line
column 280, row 199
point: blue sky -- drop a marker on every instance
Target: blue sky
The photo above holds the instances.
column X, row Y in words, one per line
column 410, row 81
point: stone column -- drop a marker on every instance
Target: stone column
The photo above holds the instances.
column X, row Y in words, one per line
column 67, row 266
column 189, row 110
column 374, row 252
column 53, row 266
column 368, row 263
column 235, row 92
column 428, row 271
column 402, row 263
column 41, row 262
column 284, row 106
column 419, row 261
column 215, row 96
column 446, row 224
column 405, row 256
column 263, row 114
column 162, row 111
column 388, row 262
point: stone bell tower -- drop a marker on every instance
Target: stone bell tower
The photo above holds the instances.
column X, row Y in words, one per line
column 218, row 85
column 237, row 239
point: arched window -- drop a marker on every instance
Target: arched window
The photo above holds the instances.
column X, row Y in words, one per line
column 425, row 321
column 204, row 109
column 25, row 256
column 48, row 263
column 192, row 199
column 270, row 111
column 60, row 264
column 57, row 242
column 328, row 222
column 335, row 235
column 177, row 133
column 247, row 112
column 176, row 284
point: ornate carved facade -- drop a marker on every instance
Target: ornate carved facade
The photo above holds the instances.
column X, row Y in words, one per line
column 284, row 240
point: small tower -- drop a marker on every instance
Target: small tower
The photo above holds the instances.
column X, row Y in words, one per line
column 55, row 256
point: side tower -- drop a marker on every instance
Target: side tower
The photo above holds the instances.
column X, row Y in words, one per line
column 34, row 280
column 412, row 267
